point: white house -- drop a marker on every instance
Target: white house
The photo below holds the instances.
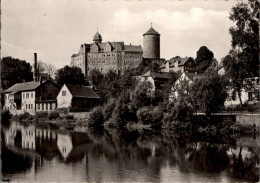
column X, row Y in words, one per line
column 182, row 83
column 31, row 97
column 77, row 97
column 178, row 64
column 249, row 93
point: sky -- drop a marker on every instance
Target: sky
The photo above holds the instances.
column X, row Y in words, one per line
column 55, row 29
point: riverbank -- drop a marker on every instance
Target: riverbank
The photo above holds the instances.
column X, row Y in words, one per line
column 244, row 124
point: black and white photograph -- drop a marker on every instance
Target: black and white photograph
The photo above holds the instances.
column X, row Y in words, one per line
column 130, row 91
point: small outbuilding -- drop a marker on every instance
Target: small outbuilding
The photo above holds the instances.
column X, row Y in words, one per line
column 77, row 98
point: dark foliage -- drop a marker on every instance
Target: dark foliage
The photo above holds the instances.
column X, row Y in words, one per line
column 14, row 71
column 70, row 75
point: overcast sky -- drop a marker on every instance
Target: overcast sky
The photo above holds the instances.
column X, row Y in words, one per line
column 55, row 29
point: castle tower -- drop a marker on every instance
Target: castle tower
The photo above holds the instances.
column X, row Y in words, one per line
column 151, row 44
column 97, row 38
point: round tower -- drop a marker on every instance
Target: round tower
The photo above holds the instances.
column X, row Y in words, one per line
column 97, row 38
column 151, row 44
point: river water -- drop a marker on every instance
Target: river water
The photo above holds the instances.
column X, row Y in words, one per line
column 47, row 153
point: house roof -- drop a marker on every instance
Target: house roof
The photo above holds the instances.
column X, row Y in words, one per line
column 156, row 75
column 82, row 91
column 182, row 61
column 23, row 87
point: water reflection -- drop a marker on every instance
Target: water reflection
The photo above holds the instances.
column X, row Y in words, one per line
column 47, row 153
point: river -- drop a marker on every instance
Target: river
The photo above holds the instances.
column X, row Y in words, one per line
column 48, row 153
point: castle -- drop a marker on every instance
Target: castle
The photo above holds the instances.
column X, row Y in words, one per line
column 116, row 56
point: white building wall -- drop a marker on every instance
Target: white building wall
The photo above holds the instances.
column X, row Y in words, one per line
column 28, row 101
column 64, row 101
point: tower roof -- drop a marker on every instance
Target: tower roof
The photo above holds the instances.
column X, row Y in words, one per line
column 151, row 31
column 97, row 37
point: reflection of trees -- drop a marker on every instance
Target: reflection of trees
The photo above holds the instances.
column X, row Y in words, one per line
column 245, row 168
column 13, row 163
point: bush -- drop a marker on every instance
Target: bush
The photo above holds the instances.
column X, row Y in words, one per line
column 25, row 116
column 96, row 117
column 70, row 117
column 53, row 115
column 151, row 116
column 178, row 116
column 5, row 116
column 108, row 109
column 41, row 115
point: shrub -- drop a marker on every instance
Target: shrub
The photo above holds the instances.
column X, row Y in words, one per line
column 96, row 117
column 25, row 116
column 70, row 117
column 53, row 115
column 5, row 116
column 41, row 115
column 151, row 116
column 108, row 109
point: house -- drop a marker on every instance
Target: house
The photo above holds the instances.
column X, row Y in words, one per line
column 249, row 93
column 31, row 97
column 157, row 79
column 182, row 84
column 77, row 98
column 178, row 64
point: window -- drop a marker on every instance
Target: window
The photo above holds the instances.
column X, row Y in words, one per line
column 42, row 106
column 26, row 106
column 38, row 106
column 23, row 96
column 31, row 95
column 63, row 93
column 31, row 106
column 27, row 95
column 250, row 96
column 50, row 106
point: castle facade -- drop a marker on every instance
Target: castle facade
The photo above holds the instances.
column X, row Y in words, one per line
column 116, row 56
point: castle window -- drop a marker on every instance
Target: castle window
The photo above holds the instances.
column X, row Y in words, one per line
column 118, row 54
column 63, row 93
column 38, row 106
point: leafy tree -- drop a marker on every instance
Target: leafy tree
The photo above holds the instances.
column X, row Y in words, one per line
column 96, row 78
column 208, row 93
column 204, row 59
column 70, row 75
column 243, row 59
column 142, row 96
column 14, row 71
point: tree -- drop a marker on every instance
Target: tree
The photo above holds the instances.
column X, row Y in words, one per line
column 242, row 61
column 46, row 68
column 14, row 71
column 204, row 59
column 70, row 75
column 96, row 78
column 208, row 93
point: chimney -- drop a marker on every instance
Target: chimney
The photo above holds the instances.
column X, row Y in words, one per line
column 35, row 68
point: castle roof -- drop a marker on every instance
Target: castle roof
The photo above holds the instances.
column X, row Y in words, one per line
column 132, row 48
column 82, row 91
column 151, row 31
column 97, row 37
